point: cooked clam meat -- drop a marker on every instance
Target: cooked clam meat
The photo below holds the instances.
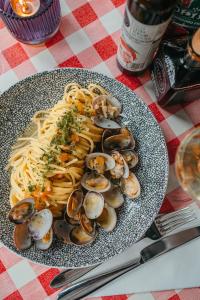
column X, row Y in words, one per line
column 107, row 106
column 22, row 211
column 100, row 162
column 121, row 168
column 95, row 182
column 130, row 186
column 131, row 158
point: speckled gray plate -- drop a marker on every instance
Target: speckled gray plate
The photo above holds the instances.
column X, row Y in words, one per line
column 43, row 90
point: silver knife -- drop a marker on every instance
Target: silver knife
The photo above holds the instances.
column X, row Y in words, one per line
column 85, row 287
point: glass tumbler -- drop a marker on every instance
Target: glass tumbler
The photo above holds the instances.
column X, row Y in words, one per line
column 187, row 164
column 35, row 29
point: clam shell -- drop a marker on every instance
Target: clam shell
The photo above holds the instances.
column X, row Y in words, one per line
column 106, row 123
column 74, row 203
column 40, row 224
column 111, row 101
column 22, row 211
column 46, row 241
column 96, row 179
column 62, row 230
column 130, row 186
column 108, row 218
column 114, row 197
column 21, row 236
column 121, row 168
column 131, row 158
column 109, row 161
column 89, row 226
column 93, row 204
column 118, row 140
column 79, row 237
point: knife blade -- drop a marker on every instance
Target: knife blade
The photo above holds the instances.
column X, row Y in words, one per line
column 85, row 287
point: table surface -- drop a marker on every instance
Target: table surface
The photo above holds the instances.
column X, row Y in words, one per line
column 87, row 38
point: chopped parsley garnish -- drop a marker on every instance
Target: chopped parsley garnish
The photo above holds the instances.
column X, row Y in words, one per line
column 31, row 187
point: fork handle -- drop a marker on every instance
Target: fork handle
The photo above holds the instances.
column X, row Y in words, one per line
column 153, row 232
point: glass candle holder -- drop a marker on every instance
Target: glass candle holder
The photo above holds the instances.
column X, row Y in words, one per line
column 35, row 29
column 187, row 164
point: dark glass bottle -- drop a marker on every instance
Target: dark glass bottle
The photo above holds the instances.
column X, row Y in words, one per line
column 176, row 71
column 145, row 22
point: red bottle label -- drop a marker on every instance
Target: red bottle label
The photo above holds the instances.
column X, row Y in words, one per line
column 138, row 43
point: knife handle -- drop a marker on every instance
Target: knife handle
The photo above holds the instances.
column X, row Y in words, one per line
column 85, row 287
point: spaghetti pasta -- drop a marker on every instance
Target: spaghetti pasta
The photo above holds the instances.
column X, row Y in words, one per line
column 48, row 163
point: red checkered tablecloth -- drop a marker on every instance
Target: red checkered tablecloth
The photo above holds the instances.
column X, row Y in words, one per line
column 87, row 38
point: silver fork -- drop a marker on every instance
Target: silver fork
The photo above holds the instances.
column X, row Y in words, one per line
column 162, row 225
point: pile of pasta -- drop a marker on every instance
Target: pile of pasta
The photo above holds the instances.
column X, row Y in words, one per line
column 49, row 163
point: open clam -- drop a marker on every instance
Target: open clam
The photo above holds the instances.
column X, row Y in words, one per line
column 121, row 168
column 73, row 221
column 93, row 204
column 22, row 238
column 40, row 224
column 79, row 237
column 118, row 140
column 46, row 241
column 62, row 230
column 95, row 182
column 87, row 225
column 106, row 123
column 131, row 158
column 22, row 211
column 74, row 203
column 114, row 197
column 100, row 162
column 130, row 186
column 108, row 219
column 107, row 106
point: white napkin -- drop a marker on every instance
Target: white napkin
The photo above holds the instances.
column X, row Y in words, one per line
column 177, row 269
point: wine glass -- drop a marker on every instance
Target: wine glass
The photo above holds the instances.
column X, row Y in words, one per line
column 187, row 164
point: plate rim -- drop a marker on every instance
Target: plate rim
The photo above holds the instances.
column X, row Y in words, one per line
column 139, row 98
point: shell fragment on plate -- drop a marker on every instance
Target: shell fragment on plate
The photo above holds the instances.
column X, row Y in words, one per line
column 62, row 230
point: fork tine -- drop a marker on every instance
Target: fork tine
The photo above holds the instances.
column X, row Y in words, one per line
column 175, row 218
column 164, row 230
column 183, row 211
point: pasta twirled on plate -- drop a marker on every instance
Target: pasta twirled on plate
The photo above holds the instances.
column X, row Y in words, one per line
column 49, row 163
